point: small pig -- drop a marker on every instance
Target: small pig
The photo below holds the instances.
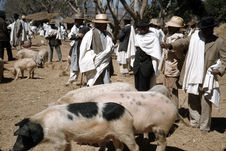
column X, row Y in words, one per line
column 28, row 64
column 87, row 93
column 1, row 69
column 151, row 111
column 43, row 56
column 26, row 53
column 87, row 122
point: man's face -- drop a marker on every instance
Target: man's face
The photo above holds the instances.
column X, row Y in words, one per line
column 101, row 26
column 207, row 32
column 173, row 30
column 143, row 30
column 78, row 22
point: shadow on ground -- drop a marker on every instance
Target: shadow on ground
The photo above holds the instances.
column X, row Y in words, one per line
column 7, row 80
column 218, row 124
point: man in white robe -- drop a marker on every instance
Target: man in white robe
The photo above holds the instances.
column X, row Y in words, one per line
column 16, row 32
column 148, row 54
column 126, row 49
column 76, row 35
column 95, row 52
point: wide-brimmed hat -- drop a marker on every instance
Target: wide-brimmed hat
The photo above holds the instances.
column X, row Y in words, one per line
column 23, row 17
column 101, row 18
column 143, row 23
column 52, row 21
column 221, row 31
column 127, row 18
column 207, row 22
column 79, row 16
column 191, row 23
column 155, row 21
column 175, row 21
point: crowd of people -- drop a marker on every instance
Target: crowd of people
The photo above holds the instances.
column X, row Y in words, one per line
column 187, row 59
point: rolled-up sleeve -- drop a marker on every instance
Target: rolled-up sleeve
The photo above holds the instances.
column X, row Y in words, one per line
column 221, row 44
column 181, row 44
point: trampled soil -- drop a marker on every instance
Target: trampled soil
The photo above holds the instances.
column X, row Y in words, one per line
column 23, row 98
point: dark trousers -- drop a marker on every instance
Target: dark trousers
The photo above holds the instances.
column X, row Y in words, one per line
column 5, row 44
column 142, row 83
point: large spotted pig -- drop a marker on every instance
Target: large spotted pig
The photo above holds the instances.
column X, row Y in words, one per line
column 151, row 111
column 87, row 122
column 87, row 93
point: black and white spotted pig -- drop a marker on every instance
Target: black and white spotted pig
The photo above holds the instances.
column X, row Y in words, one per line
column 151, row 111
column 87, row 122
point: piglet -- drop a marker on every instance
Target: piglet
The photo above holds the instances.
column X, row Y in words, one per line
column 28, row 64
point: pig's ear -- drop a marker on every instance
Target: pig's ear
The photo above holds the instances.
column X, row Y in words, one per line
column 21, row 123
column 23, row 131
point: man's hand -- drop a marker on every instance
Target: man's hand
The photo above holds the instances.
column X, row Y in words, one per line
column 215, row 72
column 80, row 35
column 165, row 45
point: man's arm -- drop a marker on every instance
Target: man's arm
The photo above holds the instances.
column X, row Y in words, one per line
column 221, row 44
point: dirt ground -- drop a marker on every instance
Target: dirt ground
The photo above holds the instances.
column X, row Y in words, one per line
column 23, row 98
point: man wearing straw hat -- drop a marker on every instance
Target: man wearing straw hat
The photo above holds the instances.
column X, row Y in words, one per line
column 205, row 50
column 173, row 60
column 155, row 26
column 76, row 35
column 95, row 52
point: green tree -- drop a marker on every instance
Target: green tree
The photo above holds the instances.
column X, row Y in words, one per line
column 216, row 9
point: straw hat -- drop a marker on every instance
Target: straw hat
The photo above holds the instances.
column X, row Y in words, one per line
column 175, row 21
column 221, row 31
column 191, row 23
column 101, row 18
column 155, row 21
column 127, row 18
column 52, row 21
column 23, row 16
column 79, row 16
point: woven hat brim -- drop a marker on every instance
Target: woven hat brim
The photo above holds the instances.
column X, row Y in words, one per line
column 154, row 24
column 173, row 25
column 101, row 21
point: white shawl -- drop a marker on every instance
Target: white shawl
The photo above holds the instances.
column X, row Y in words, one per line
column 131, row 50
column 11, row 27
column 211, row 85
column 89, row 62
column 194, row 68
column 149, row 43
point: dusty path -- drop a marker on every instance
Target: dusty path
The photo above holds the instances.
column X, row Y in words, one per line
column 23, row 98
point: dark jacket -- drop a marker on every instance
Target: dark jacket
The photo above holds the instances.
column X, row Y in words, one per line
column 123, row 37
column 143, row 63
column 4, row 34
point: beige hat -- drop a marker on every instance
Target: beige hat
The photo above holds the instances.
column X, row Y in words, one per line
column 52, row 21
column 192, row 22
column 175, row 21
column 155, row 21
column 101, row 18
column 79, row 16
column 23, row 16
